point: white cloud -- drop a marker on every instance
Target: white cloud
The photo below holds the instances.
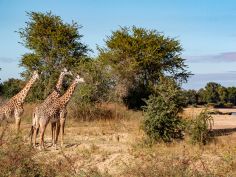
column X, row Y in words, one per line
column 222, row 57
column 198, row 81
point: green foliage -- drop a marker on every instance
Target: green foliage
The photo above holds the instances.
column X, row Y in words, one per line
column 201, row 97
column 136, row 96
column 200, row 127
column 190, row 96
column 53, row 45
column 213, row 94
column 97, row 89
column 99, row 81
column 223, row 94
column 11, row 87
column 232, row 95
column 162, row 119
column 139, row 57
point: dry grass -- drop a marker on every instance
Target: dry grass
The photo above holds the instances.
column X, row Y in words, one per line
column 183, row 159
column 117, row 147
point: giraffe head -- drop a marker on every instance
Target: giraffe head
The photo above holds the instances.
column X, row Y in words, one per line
column 66, row 72
column 35, row 75
column 79, row 79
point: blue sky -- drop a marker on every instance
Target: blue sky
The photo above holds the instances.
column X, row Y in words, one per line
column 205, row 28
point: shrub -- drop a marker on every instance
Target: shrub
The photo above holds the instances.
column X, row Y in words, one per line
column 229, row 105
column 162, row 119
column 211, row 105
column 200, row 127
column 11, row 87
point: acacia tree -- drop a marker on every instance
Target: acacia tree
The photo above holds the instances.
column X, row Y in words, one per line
column 53, row 44
column 139, row 57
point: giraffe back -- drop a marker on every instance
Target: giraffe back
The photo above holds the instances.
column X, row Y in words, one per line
column 50, row 111
column 49, row 100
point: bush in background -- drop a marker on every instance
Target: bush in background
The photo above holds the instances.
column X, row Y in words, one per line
column 96, row 90
column 162, row 119
column 11, row 87
column 200, row 127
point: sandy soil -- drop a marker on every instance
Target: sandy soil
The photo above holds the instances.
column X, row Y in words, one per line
column 220, row 121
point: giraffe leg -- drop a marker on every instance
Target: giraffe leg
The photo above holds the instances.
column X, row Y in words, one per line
column 62, row 123
column 31, row 135
column 17, row 122
column 52, row 131
column 34, row 134
column 54, row 134
column 42, row 126
column 18, row 112
column 42, row 131
column 34, row 128
column 57, row 130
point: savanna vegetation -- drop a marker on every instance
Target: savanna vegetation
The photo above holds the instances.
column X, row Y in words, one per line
column 132, row 98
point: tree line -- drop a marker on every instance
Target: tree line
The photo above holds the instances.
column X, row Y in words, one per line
column 212, row 94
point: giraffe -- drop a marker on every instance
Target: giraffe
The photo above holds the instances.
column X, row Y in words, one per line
column 50, row 113
column 47, row 102
column 15, row 104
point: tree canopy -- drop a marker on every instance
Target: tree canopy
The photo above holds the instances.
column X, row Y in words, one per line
column 53, row 45
column 140, row 57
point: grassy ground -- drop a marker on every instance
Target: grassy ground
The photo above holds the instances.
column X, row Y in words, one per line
column 117, row 147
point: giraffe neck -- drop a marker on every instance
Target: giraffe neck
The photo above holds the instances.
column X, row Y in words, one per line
column 23, row 93
column 60, row 81
column 66, row 97
column 56, row 92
